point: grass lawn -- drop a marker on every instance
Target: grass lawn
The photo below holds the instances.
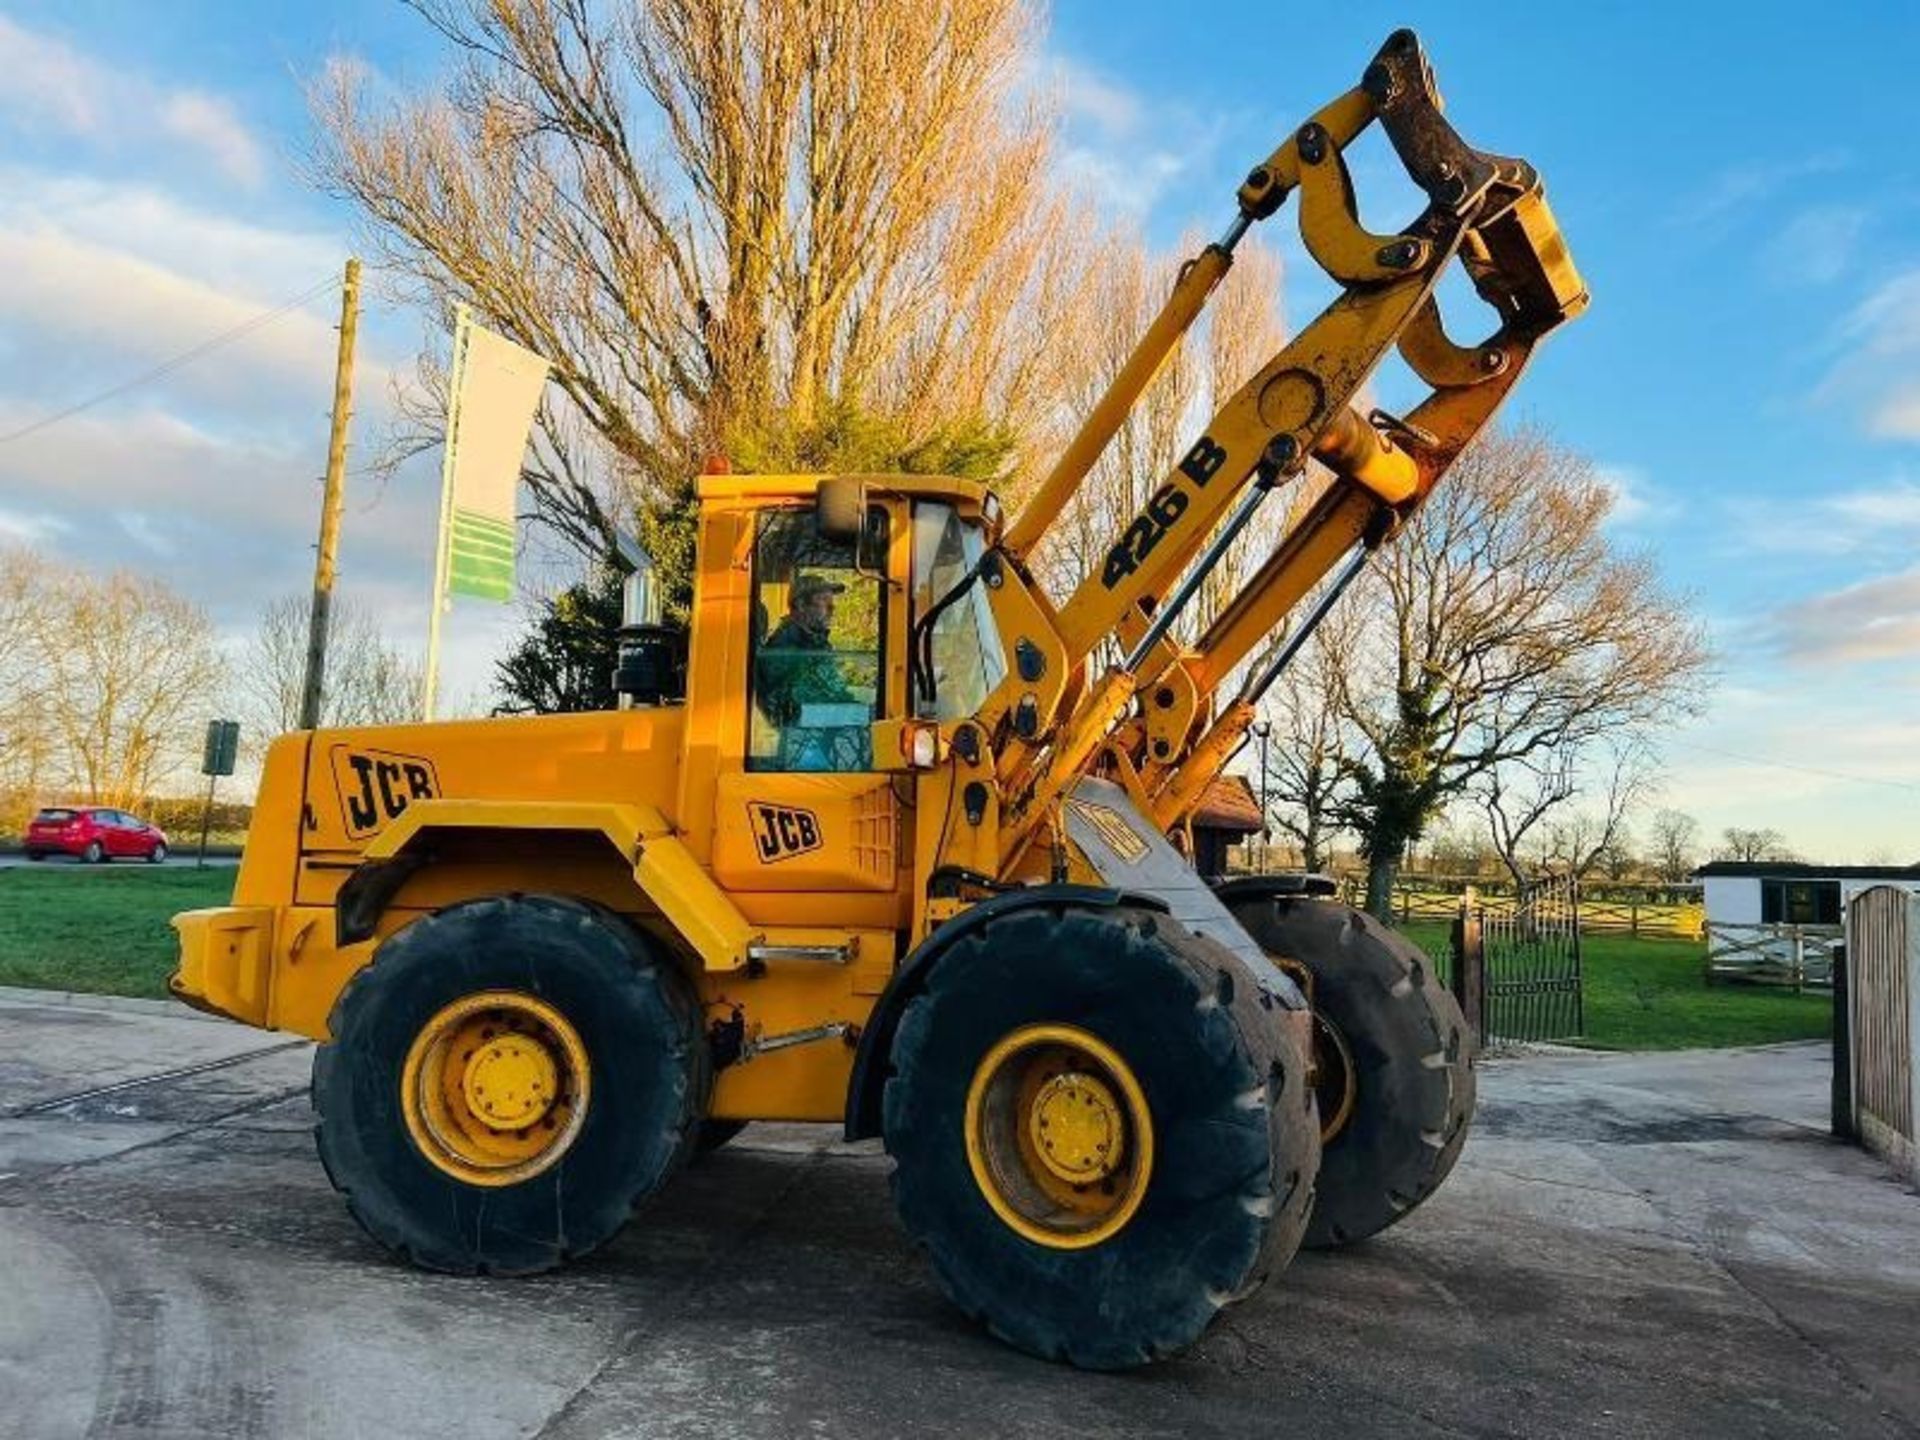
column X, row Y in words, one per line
column 102, row 928
column 1651, row 995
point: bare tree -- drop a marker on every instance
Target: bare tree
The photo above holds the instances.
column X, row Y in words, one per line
column 130, row 671
column 368, row 680
column 1673, row 840
column 1239, row 332
column 1617, row 857
column 708, row 214
column 1531, row 795
column 26, row 750
column 1504, row 628
column 1751, row 845
column 1457, row 849
column 1311, row 747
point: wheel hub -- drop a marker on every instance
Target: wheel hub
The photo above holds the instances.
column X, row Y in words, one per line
column 1058, row 1135
column 511, row 1082
column 1078, row 1130
column 495, row 1087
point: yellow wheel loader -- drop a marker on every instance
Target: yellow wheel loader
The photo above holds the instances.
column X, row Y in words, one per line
column 887, row 847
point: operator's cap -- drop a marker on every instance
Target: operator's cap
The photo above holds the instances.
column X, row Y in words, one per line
column 808, row 586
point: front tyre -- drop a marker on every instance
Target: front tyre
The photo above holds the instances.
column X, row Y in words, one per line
column 1102, row 1132
column 157, row 855
column 507, row 1081
column 1394, row 1062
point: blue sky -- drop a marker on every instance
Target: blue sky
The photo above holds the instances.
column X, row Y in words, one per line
column 1739, row 184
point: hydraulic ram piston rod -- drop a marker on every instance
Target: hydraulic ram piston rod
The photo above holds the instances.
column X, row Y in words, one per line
column 1164, row 617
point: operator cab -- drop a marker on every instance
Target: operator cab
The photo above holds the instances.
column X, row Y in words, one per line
column 863, row 611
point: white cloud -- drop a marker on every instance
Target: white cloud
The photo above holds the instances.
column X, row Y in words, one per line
column 107, row 282
column 1744, row 184
column 221, row 250
column 1126, row 184
column 1893, row 507
column 51, row 86
column 24, row 529
column 1879, row 371
column 212, row 124
column 1636, row 500
column 1876, row 619
column 1816, row 247
column 1123, row 149
column 1104, row 102
column 94, row 311
column 227, row 520
column 1877, row 519
column 148, row 533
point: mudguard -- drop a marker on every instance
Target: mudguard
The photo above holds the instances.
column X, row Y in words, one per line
column 871, row 1058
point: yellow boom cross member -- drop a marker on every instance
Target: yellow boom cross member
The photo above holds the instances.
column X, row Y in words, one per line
column 887, row 845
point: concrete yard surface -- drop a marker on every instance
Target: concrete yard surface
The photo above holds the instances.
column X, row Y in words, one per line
column 1633, row 1245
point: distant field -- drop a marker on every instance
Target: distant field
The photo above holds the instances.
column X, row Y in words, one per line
column 1651, row 995
column 99, row 930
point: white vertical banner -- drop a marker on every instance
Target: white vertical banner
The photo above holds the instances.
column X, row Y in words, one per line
column 493, row 393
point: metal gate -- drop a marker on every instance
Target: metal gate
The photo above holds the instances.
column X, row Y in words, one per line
column 1530, row 964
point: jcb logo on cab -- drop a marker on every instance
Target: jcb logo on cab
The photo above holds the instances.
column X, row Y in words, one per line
column 376, row 786
column 780, row 832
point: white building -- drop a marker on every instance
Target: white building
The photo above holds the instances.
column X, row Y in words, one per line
column 1788, row 892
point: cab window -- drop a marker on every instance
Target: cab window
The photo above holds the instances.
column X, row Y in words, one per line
column 963, row 644
column 814, row 666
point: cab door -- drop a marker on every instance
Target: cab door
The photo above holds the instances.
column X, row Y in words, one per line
column 806, row 810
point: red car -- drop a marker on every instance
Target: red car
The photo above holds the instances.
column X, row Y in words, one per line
column 94, row 833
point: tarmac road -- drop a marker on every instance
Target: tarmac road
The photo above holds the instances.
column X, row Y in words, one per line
column 1633, row 1246
column 10, row 860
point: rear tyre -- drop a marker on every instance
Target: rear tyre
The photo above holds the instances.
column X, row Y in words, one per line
column 1102, row 1132
column 507, row 1081
column 1394, row 1061
column 36, row 854
column 157, row 855
column 95, row 853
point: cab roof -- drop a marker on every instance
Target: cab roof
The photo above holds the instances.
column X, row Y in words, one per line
column 966, row 495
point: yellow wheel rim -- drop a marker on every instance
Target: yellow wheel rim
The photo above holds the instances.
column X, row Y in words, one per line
column 1059, row 1136
column 495, row 1087
column 1335, row 1083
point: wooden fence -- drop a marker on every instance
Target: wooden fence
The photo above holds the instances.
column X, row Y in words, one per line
column 1883, row 1004
column 1665, row 919
column 1796, row 955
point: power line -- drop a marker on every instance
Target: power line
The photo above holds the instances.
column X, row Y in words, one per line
column 167, row 367
column 1878, row 782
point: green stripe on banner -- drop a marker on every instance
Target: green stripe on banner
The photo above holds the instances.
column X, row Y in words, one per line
column 483, row 530
column 480, row 557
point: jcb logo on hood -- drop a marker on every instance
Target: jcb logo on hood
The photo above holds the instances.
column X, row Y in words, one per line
column 375, row 786
column 780, row 832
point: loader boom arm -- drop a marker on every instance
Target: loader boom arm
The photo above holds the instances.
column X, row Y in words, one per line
column 1154, row 715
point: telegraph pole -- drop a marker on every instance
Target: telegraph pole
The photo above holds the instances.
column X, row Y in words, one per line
column 333, row 500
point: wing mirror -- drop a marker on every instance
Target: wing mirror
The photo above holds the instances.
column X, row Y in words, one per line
column 842, row 508
column 844, row 515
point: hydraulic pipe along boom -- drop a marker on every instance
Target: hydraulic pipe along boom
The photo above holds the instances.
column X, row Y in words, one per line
column 1196, row 577
column 1261, row 678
